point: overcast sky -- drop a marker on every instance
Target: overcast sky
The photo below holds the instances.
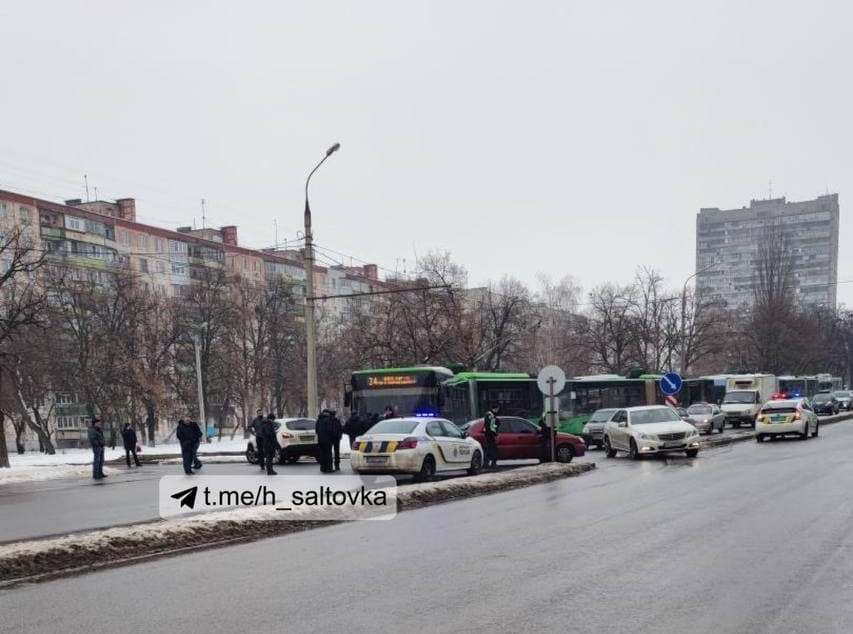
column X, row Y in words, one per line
column 563, row 137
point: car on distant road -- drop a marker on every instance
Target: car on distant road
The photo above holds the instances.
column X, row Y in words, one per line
column 296, row 438
column 519, row 439
column 593, row 430
column 825, row 404
column 786, row 417
column 650, row 429
column 706, row 417
column 844, row 398
column 418, row 446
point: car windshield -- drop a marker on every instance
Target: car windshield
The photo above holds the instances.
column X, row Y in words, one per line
column 601, row 416
column 303, row 424
column 657, row 415
column 821, row 398
column 394, row 426
column 841, row 394
column 699, row 409
column 739, row 397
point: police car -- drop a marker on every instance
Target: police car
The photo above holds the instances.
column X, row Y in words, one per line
column 420, row 446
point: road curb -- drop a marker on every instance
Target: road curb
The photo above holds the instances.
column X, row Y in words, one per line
column 44, row 559
column 721, row 441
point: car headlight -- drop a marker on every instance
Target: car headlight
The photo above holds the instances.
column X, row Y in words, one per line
column 692, row 432
column 645, row 436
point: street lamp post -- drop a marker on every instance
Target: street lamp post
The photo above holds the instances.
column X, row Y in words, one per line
column 682, row 352
column 201, row 413
column 310, row 333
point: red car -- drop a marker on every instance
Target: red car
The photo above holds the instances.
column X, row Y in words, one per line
column 519, row 439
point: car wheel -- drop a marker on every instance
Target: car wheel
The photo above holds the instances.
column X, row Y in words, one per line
column 609, row 451
column 692, row 453
column 251, row 455
column 736, row 424
column 816, row 430
column 633, row 452
column 427, row 470
column 476, row 463
column 759, row 437
column 565, row 453
column 805, row 434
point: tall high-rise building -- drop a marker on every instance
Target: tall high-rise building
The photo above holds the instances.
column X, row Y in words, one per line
column 728, row 246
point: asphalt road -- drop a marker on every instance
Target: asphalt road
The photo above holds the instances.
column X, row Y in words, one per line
column 746, row 538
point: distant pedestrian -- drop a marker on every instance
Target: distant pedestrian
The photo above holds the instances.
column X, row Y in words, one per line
column 388, row 413
column 545, row 439
column 490, row 430
column 325, row 440
column 128, row 436
column 337, row 433
column 112, row 436
column 255, row 429
column 269, row 429
column 187, row 434
column 96, row 440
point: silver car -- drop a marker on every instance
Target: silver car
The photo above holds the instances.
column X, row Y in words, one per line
column 593, row 431
column 706, row 417
column 844, row 398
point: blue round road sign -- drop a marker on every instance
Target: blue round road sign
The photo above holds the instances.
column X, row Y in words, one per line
column 670, row 383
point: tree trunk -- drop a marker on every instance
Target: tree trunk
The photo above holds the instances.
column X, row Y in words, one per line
column 150, row 422
column 4, row 452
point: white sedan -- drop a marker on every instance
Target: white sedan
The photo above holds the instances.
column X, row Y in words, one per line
column 649, row 430
column 296, row 437
column 421, row 446
column 780, row 418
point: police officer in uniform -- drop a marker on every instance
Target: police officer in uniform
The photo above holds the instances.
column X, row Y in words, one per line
column 490, row 429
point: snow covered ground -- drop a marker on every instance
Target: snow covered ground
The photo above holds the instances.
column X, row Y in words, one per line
column 70, row 463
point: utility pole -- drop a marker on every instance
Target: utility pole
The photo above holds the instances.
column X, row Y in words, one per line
column 682, row 352
column 310, row 332
column 201, row 414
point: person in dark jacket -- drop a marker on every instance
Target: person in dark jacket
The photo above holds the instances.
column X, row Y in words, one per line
column 196, row 444
column 352, row 428
column 96, row 441
column 545, row 439
column 325, row 439
column 490, row 430
column 270, row 441
column 128, row 436
column 388, row 413
column 186, row 434
column 337, row 433
column 255, row 429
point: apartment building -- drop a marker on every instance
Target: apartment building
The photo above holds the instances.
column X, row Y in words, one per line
column 727, row 247
column 99, row 238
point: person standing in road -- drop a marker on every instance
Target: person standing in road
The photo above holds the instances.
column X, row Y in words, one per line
column 545, row 438
column 197, row 436
column 337, row 432
column 255, row 429
column 187, row 437
column 490, row 429
column 128, row 436
column 96, row 441
column 325, row 439
column 269, row 430
column 352, row 428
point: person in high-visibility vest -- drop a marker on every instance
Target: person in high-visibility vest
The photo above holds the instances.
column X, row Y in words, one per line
column 490, row 430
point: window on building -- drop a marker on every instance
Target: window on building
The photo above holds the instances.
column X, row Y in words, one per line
column 161, row 266
column 179, row 268
column 143, row 265
column 24, row 215
column 4, row 209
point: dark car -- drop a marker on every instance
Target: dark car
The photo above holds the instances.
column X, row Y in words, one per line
column 825, row 404
column 519, row 439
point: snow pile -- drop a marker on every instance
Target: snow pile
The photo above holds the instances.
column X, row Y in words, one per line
column 31, row 473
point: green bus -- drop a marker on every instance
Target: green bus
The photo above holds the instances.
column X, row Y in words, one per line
column 467, row 395
column 411, row 391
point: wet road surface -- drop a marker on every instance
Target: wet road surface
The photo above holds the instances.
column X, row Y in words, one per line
column 745, row 538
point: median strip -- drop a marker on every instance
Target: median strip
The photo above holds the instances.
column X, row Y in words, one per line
column 40, row 560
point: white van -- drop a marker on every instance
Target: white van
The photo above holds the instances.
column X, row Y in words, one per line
column 745, row 394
